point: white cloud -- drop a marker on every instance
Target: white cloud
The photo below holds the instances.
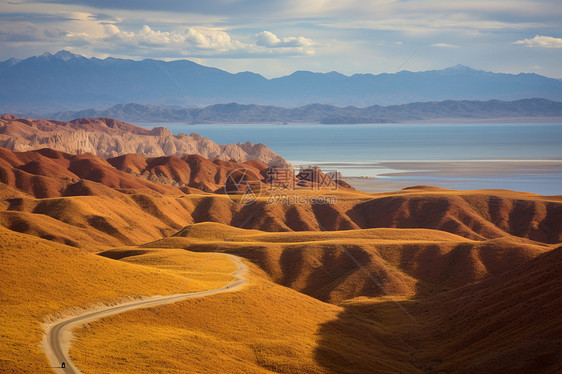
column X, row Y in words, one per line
column 267, row 39
column 541, row 41
column 270, row 40
column 111, row 29
column 444, row 45
column 184, row 40
column 204, row 41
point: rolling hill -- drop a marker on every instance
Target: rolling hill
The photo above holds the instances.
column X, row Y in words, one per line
column 176, row 192
column 43, row 281
column 418, row 280
column 333, row 266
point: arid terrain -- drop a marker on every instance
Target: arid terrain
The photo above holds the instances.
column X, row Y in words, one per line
column 107, row 137
column 421, row 280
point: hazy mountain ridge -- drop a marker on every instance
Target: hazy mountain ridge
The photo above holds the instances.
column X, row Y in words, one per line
column 65, row 81
column 239, row 113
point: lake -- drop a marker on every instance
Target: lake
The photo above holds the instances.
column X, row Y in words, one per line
column 376, row 157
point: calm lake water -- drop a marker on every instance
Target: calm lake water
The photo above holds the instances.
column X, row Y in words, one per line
column 359, row 150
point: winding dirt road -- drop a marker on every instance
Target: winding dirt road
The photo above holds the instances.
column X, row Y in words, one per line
column 56, row 343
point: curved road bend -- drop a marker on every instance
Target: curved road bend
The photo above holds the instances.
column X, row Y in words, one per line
column 56, row 343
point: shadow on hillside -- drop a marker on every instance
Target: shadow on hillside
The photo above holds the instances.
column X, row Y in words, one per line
column 374, row 338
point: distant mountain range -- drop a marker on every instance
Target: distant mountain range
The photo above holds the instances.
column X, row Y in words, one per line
column 318, row 113
column 65, row 81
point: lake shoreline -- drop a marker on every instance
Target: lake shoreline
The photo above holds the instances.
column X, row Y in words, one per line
column 535, row 176
column 517, row 156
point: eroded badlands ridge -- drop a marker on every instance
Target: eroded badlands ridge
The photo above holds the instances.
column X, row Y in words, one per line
column 107, row 137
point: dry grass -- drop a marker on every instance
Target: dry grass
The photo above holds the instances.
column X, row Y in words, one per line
column 42, row 279
column 111, row 218
column 430, row 248
column 213, row 232
column 407, row 262
column 267, row 328
column 264, row 328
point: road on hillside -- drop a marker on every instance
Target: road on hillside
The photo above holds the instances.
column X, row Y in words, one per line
column 56, row 343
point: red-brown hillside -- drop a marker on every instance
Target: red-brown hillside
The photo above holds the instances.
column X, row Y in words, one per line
column 475, row 215
column 472, row 214
column 49, row 173
column 129, row 163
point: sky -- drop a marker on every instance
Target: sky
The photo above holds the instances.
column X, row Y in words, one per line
column 277, row 37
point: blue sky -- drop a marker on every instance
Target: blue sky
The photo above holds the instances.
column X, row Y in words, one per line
column 278, row 37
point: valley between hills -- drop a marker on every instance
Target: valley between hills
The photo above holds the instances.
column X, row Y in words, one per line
column 421, row 280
